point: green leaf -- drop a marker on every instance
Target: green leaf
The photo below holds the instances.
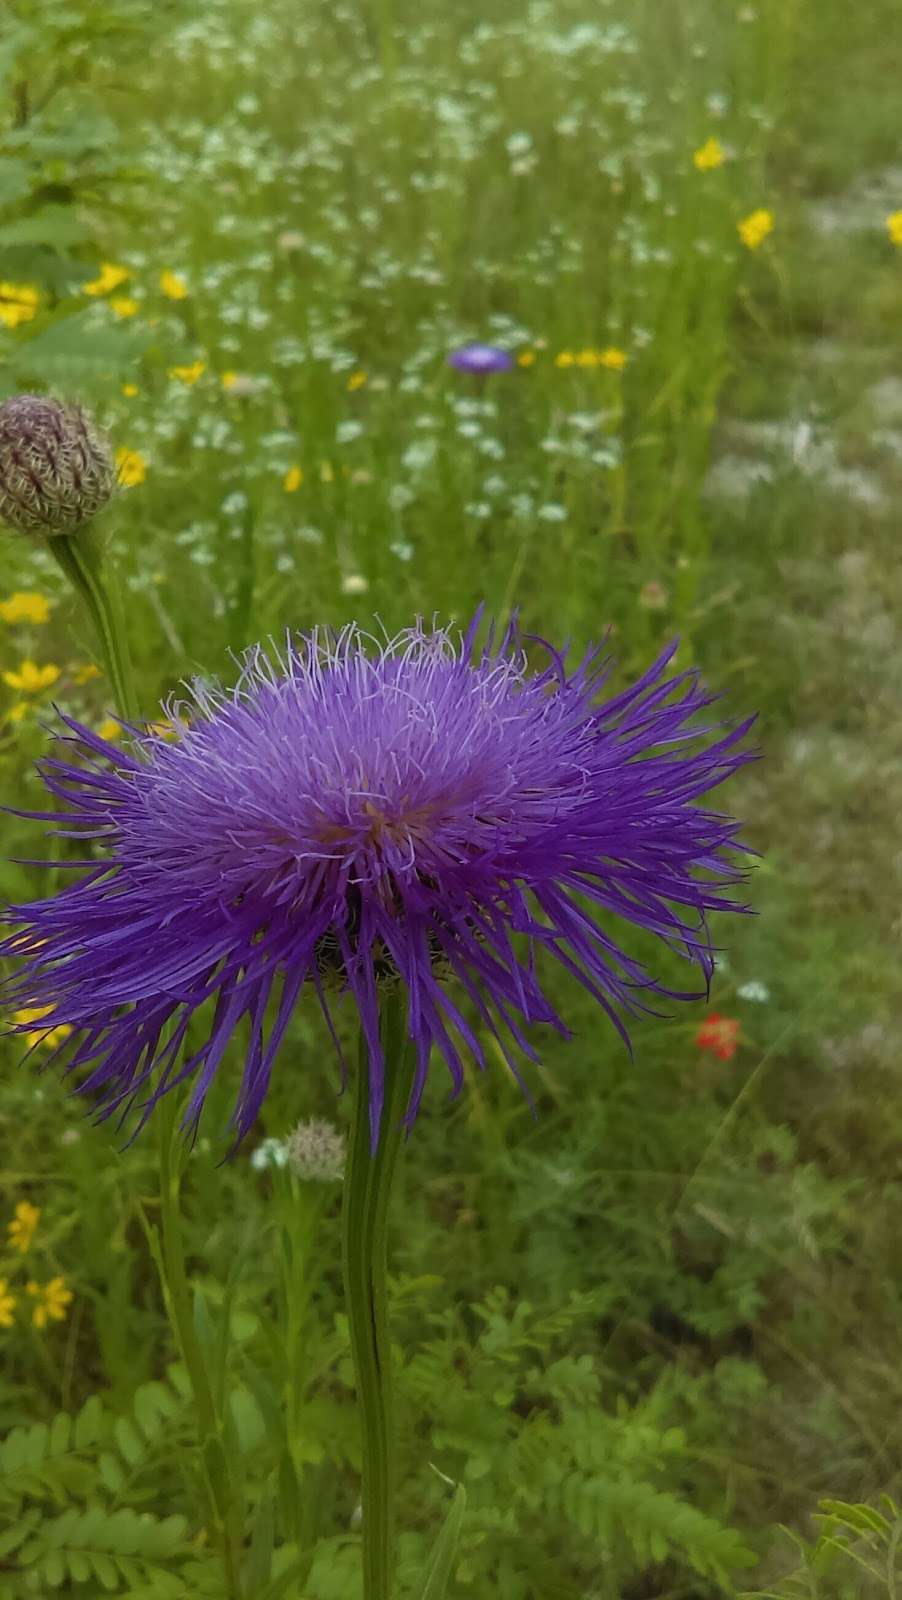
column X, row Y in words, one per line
column 438, row 1568
column 79, row 1566
column 127, row 1438
column 249, row 1424
column 73, row 346
column 36, row 1442
column 15, row 179
column 105, row 1570
column 168, row 1535
column 203, row 1325
column 53, row 1568
column 54, row 225
column 154, row 1404
column 258, row 1570
column 89, row 1423
column 111, row 1472
column 14, row 1537
column 60, row 1433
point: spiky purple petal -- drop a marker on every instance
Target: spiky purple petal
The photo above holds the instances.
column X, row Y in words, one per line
column 401, row 812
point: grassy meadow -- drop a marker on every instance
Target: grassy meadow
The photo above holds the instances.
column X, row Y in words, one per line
column 653, row 1328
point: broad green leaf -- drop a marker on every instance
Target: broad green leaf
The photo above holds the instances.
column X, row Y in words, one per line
column 15, row 179
column 71, row 346
column 54, row 225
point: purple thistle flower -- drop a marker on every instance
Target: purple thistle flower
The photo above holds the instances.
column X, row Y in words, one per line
column 354, row 815
column 481, row 358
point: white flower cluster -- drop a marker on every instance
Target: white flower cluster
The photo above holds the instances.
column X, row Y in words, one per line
column 316, row 1151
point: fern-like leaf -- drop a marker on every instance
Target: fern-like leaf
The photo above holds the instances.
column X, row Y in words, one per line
column 653, row 1523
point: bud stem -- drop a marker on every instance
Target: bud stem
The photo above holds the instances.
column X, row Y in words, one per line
column 80, row 557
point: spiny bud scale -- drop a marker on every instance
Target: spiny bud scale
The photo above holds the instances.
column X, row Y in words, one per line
column 56, row 467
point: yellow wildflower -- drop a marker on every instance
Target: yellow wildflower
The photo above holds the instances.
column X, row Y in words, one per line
column 110, row 278
column 292, row 480
column 586, row 358
column 229, row 380
column 21, row 607
column 7, row 1305
column 894, row 227
column 17, row 712
column 18, row 303
column 129, row 390
column 173, row 287
column 109, row 729
column 612, row 358
column 326, row 472
column 526, row 358
column 132, row 467
column 23, row 1227
column 50, row 1036
column 357, row 381
column 124, row 305
column 53, row 1298
column 31, row 679
column 564, row 358
column 709, row 156
column 754, row 229
column 85, row 673
column 188, row 374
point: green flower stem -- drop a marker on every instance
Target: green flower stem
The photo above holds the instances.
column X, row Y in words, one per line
column 367, row 1189
column 169, row 1251
column 302, row 1207
column 81, row 557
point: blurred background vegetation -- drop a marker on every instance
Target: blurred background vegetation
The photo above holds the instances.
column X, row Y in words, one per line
column 660, row 1320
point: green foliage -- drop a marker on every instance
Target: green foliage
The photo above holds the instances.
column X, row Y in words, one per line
column 856, row 1555
column 582, row 1479
column 62, row 157
column 71, row 349
column 68, row 1492
column 442, row 1556
column 659, row 1320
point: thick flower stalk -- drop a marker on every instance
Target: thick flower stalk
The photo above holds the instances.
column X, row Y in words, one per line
column 354, row 815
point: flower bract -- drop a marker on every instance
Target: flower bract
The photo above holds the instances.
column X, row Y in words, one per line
column 56, row 469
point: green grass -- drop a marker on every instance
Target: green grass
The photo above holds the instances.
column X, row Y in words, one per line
column 668, row 1306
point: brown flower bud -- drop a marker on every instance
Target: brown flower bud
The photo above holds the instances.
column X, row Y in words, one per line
column 56, row 467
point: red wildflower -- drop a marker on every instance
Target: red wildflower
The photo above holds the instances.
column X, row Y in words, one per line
column 718, row 1034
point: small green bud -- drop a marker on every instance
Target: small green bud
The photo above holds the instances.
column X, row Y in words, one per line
column 56, row 467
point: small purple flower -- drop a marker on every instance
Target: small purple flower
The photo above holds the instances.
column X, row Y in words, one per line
column 481, row 358
column 356, row 815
